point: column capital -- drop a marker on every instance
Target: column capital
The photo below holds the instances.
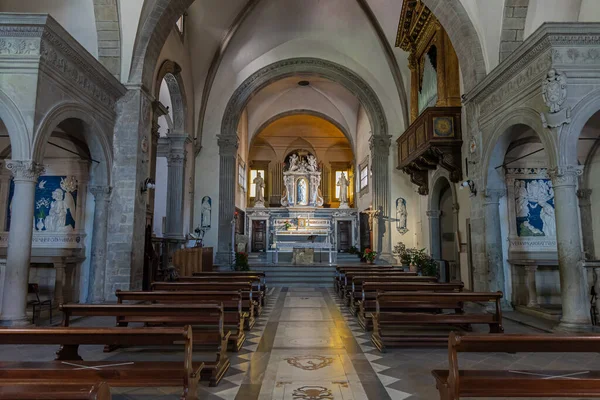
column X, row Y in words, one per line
column 566, row 175
column 493, row 196
column 228, row 144
column 25, row 171
column 380, row 144
column 176, row 159
column 433, row 213
column 101, row 193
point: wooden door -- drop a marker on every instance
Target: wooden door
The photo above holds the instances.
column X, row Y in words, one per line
column 259, row 236
column 344, row 235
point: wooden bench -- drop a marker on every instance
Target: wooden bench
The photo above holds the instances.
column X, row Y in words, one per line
column 456, row 383
column 261, row 275
column 393, row 328
column 62, row 391
column 232, row 306
column 255, row 280
column 340, row 273
column 69, row 368
column 382, row 276
column 250, row 303
column 212, row 340
column 366, row 305
column 355, row 290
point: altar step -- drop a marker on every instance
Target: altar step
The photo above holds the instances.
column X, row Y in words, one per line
column 297, row 275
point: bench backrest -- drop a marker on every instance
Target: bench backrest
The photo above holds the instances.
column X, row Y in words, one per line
column 369, row 287
column 186, row 297
column 215, row 278
column 216, row 286
column 443, row 299
column 230, row 273
column 358, row 280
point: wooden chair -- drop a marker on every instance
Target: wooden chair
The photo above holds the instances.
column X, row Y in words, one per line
column 62, row 391
column 69, row 368
column 455, row 382
column 212, row 338
column 395, row 328
column 34, row 288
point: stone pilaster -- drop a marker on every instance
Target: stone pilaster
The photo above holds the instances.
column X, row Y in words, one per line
column 573, row 285
column 175, row 185
column 380, row 152
column 434, row 233
column 493, row 242
column 98, row 254
column 587, row 228
column 131, row 167
column 14, row 296
column 59, row 283
column 228, row 146
column 531, row 286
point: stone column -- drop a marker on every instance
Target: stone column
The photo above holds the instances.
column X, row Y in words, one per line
column 573, row 285
column 59, row 283
column 4, row 189
column 98, row 254
column 158, row 110
column 175, row 186
column 228, row 146
column 434, row 233
column 380, row 152
column 14, row 296
column 531, row 286
column 493, row 243
column 587, row 228
column 127, row 219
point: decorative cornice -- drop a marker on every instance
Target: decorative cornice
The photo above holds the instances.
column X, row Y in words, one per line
column 550, row 34
column 566, row 175
column 380, row 145
column 28, row 35
column 25, row 171
column 228, row 145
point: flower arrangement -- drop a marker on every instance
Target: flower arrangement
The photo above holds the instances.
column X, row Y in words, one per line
column 425, row 265
column 369, row 255
column 287, row 225
column 241, row 261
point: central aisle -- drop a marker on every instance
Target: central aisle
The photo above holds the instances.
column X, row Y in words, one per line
column 308, row 351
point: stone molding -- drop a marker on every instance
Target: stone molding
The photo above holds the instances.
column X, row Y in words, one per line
column 108, row 29
column 40, row 35
column 567, row 175
column 25, row 171
column 517, row 70
column 228, row 145
column 101, row 193
column 433, row 213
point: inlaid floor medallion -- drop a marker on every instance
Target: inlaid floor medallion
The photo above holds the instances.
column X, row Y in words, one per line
column 312, row 393
column 310, row 363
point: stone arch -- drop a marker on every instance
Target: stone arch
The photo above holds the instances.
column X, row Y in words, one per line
column 439, row 181
column 497, row 143
column 170, row 71
column 455, row 19
column 108, row 28
column 513, row 27
column 19, row 134
column 95, row 137
column 305, row 112
column 582, row 112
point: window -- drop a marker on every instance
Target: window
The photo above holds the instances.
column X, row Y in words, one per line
column 254, row 174
column 338, row 174
column 180, row 24
column 242, row 174
column 363, row 170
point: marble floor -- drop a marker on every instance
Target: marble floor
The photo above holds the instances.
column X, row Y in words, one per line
column 306, row 346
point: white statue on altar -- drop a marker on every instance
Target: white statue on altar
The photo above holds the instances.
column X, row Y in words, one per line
column 294, row 159
column 259, row 197
column 343, row 183
column 312, row 163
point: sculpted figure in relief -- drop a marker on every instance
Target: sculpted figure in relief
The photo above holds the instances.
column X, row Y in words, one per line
column 312, row 163
column 293, row 162
column 554, row 90
column 57, row 217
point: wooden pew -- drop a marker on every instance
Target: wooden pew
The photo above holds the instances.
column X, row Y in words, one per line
column 63, row 391
column 382, row 276
column 231, row 301
column 68, row 368
column 250, row 303
column 388, row 325
column 211, row 340
column 368, row 300
column 456, row 383
column 355, row 289
column 256, row 280
column 340, row 273
column 261, row 275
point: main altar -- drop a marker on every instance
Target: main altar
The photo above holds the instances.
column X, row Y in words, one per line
column 302, row 227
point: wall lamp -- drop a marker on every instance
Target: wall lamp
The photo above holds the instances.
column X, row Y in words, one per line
column 147, row 185
column 471, row 185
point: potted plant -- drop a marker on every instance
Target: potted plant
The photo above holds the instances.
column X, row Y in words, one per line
column 287, row 225
column 370, row 255
column 241, row 261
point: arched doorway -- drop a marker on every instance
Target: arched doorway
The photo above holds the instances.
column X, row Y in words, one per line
column 443, row 225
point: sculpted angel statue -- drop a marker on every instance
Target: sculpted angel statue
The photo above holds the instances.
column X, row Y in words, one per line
column 293, row 162
column 312, row 163
column 56, row 219
column 554, row 90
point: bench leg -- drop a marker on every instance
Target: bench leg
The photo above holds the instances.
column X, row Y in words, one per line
column 68, row 352
column 496, row 328
column 444, row 391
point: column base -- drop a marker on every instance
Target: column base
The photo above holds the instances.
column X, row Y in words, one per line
column 21, row 323
column 573, row 327
column 505, row 305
